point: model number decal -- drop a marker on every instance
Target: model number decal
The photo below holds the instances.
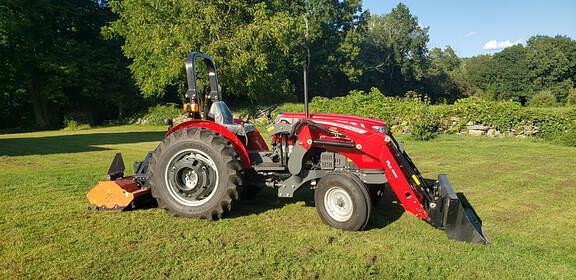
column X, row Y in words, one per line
column 389, row 164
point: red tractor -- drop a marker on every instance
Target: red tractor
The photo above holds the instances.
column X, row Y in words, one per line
column 205, row 164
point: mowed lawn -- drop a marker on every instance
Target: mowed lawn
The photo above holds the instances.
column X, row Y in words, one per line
column 525, row 192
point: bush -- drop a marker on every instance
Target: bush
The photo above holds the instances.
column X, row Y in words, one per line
column 157, row 114
column 568, row 138
column 544, row 98
column 291, row 107
column 501, row 115
column 412, row 111
column 425, row 121
column 425, row 124
column 71, row 124
column 372, row 105
column 555, row 126
column 571, row 98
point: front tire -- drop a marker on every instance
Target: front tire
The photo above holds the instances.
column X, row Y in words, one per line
column 195, row 173
column 342, row 201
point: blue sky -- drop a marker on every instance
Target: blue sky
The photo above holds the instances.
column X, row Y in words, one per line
column 482, row 27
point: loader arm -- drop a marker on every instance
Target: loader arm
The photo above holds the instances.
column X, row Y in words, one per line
column 436, row 204
column 378, row 146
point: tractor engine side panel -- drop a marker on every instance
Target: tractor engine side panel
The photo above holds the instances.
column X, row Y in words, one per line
column 360, row 159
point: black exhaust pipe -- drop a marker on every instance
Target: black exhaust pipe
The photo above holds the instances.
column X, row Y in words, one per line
column 452, row 212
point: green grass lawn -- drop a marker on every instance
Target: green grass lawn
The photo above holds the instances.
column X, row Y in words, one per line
column 525, row 192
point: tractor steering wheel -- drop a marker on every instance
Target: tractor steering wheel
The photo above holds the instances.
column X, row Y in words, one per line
column 266, row 113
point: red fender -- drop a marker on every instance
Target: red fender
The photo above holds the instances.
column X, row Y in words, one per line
column 222, row 130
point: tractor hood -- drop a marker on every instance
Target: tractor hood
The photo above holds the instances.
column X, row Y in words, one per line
column 344, row 121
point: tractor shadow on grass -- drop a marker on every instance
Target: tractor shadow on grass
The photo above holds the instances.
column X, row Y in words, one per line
column 385, row 212
column 75, row 143
column 267, row 199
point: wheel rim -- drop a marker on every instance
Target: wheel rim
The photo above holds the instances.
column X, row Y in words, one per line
column 191, row 177
column 338, row 204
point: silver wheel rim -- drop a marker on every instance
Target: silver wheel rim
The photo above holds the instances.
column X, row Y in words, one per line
column 338, row 204
column 191, row 177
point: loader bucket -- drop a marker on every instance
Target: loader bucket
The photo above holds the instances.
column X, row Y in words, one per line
column 456, row 216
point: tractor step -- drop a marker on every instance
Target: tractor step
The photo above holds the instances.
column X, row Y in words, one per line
column 269, row 166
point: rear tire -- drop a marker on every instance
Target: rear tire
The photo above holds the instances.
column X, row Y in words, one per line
column 194, row 173
column 342, row 201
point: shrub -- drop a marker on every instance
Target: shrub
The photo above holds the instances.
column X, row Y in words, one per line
column 568, row 137
column 424, row 125
column 484, row 95
column 555, row 126
column 372, row 105
column 291, row 107
column 157, row 114
column 425, row 121
column 502, row 115
column 71, row 124
column 544, row 98
column 412, row 111
column 412, row 94
column 571, row 98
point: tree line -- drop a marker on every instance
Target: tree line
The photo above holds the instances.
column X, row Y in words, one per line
column 95, row 60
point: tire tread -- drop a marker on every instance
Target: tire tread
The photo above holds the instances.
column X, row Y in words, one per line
column 228, row 155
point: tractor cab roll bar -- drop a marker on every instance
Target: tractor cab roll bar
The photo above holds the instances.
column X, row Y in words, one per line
column 193, row 95
column 192, row 92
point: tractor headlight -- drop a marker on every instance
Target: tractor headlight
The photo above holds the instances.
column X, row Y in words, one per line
column 381, row 128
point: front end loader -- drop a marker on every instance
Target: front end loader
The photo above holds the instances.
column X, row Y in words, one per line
column 208, row 162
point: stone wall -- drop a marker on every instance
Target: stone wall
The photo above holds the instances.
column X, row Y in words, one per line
column 476, row 129
column 472, row 129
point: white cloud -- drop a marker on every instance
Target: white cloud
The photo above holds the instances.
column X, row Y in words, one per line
column 495, row 45
column 470, row 34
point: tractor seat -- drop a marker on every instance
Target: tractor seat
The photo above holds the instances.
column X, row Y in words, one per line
column 221, row 114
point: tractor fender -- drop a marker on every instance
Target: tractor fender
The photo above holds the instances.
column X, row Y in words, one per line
column 220, row 129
